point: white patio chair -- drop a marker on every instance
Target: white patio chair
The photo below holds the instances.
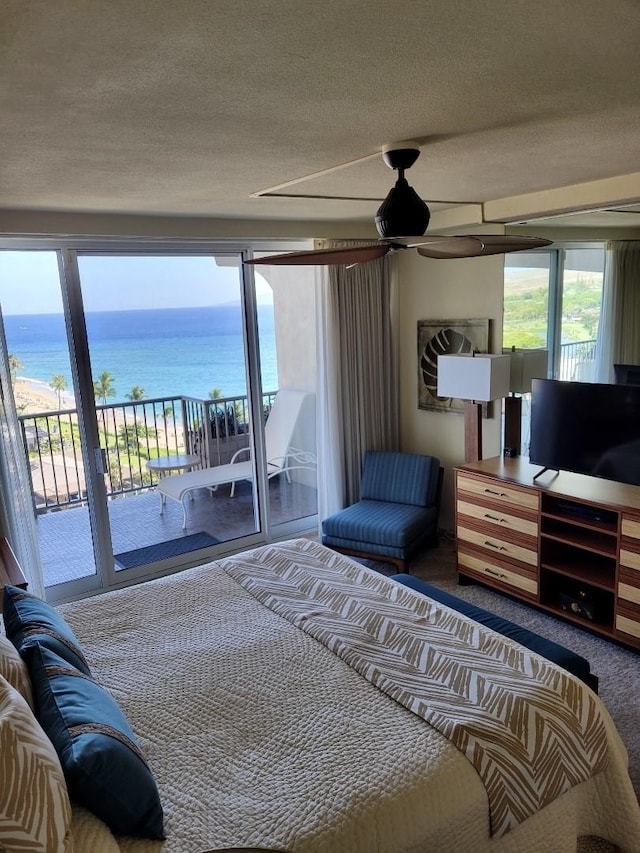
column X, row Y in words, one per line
column 281, row 456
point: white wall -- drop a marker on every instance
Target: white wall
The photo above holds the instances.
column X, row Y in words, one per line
column 295, row 330
column 434, row 290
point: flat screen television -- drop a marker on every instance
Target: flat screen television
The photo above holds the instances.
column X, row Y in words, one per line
column 586, row 428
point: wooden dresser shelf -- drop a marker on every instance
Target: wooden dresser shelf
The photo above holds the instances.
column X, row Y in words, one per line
column 568, row 543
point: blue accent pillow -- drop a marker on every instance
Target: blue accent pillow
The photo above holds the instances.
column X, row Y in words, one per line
column 100, row 757
column 28, row 619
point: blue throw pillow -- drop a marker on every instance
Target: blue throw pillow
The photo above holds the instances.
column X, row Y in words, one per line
column 28, row 619
column 101, row 760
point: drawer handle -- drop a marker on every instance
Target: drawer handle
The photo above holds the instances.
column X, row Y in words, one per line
column 495, row 518
column 493, row 545
column 497, row 494
column 494, row 573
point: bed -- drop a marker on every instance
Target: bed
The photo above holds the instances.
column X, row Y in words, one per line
column 266, row 723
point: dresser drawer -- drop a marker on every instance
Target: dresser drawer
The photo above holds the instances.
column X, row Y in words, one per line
column 498, row 546
column 495, row 571
column 498, row 492
column 630, row 559
column 631, row 527
column 629, row 584
column 628, row 621
column 497, row 519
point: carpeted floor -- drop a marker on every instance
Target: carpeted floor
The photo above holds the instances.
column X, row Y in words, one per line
column 617, row 667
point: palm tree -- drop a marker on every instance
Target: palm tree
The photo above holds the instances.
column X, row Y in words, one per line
column 215, row 394
column 58, row 383
column 14, row 366
column 103, row 386
column 136, row 393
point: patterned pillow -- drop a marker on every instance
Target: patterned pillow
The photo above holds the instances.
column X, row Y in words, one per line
column 102, row 762
column 14, row 669
column 29, row 619
column 35, row 812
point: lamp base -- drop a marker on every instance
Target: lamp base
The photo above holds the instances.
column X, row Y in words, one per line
column 472, row 431
column 512, row 426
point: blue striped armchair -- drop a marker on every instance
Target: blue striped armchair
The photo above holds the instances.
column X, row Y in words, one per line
column 397, row 512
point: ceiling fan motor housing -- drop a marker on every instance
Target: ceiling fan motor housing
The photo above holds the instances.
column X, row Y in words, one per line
column 403, row 213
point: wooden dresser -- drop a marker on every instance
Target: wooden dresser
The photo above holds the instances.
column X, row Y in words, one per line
column 567, row 543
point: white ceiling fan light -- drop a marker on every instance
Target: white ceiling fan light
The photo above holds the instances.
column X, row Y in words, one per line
column 401, row 218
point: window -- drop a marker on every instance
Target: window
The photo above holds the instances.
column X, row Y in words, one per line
column 552, row 299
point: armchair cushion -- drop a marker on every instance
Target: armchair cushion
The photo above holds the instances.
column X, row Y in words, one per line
column 379, row 523
column 403, row 478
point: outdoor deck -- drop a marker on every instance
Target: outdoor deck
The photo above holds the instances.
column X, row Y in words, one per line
column 136, row 521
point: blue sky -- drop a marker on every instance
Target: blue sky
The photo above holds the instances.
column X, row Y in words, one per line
column 29, row 283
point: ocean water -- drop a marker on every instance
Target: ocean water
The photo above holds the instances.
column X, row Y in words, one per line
column 168, row 352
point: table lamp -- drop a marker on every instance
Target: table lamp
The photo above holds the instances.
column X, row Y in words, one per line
column 476, row 379
column 526, row 364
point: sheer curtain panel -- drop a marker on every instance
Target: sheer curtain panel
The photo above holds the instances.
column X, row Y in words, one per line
column 16, row 507
column 619, row 330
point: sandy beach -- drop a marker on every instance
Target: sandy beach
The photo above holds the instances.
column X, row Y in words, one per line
column 33, row 396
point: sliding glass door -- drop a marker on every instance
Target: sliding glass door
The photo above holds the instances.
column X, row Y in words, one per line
column 165, row 339
column 41, row 362
column 552, row 300
column 148, row 365
column 287, row 334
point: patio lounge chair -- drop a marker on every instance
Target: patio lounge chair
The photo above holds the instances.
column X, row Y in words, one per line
column 281, row 456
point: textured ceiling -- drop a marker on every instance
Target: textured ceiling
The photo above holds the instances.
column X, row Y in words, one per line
column 188, row 107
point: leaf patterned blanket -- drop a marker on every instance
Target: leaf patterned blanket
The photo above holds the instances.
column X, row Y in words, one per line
column 531, row 731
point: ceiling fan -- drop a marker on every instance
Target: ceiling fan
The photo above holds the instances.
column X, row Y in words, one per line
column 402, row 220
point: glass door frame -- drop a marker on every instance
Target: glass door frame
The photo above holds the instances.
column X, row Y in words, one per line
column 557, row 256
column 68, row 250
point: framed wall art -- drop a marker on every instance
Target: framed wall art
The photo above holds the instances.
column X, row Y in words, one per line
column 445, row 337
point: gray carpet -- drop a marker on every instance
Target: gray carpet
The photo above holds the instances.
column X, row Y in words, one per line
column 617, row 667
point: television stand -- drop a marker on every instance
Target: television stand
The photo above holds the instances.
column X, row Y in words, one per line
column 543, row 470
column 570, row 547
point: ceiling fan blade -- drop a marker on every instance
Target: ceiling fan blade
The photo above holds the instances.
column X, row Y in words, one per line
column 320, row 257
column 449, row 247
column 474, row 246
column 495, row 244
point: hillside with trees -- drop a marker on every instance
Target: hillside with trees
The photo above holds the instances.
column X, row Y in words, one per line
column 526, row 294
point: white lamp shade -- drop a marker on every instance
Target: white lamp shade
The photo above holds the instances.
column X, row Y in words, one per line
column 527, row 364
column 480, row 377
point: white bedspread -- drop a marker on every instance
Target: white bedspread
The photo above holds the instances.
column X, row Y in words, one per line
column 259, row 736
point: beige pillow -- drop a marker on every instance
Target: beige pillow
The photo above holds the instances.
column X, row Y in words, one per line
column 14, row 669
column 35, row 812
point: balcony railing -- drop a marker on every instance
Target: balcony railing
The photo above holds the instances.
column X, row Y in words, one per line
column 130, row 433
column 577, row 361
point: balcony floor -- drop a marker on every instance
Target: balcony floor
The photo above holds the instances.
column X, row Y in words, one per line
column 136, row 521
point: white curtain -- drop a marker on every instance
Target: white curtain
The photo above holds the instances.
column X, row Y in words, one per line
column 16, row 507
column 619, row 330
column 358, row 373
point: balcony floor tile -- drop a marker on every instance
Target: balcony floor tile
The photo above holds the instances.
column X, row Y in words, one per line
column 136, row 521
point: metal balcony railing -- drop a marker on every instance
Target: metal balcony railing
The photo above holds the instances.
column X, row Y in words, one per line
column 577, row 361
column 130, row 433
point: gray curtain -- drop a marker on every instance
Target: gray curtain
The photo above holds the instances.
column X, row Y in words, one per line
column 619, row 330
column 360, row 363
